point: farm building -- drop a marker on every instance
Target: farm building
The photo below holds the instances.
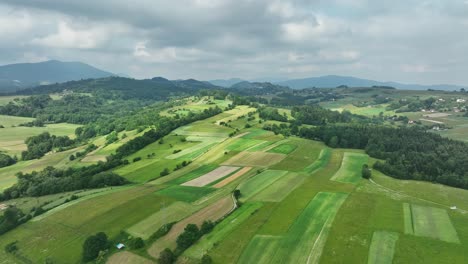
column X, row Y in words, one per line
column 120, row 246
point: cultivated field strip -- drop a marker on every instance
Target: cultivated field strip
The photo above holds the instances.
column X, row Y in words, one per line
column 222, row 230
column 322, row 160
column 204, row 143
column 278, row 190
column 173, row 212
column 260, row 249
column 257, row 183
column 382, row 247
column 187, row 194
column 256, row 159
column 283, row 149
column 350, row 169
column 242, row 144
column 211, row 176
column 430, row 222
column 212, row 212
column 233, row 177
column 305, row 239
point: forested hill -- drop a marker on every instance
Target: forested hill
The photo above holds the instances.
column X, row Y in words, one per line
column 125, row 88
column 19, row 76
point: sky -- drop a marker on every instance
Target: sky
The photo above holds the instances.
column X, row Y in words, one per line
column 412, row 41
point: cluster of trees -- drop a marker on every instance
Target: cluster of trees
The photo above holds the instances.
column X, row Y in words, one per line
column 11, row 218
column 39, row 145
column 270, row 113
column 190, row 235
column 52, row 180
column 407, row 153
column 6, row 160
column 83, row 153
column 93, row 245
column 317, row 115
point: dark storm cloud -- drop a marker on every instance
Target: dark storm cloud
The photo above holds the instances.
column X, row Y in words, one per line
column 417, row 41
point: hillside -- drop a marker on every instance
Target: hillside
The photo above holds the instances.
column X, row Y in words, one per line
column 14, row 77
column 157, row 88
column 331, row 81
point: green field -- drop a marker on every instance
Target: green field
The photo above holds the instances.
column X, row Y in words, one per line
column 284, row 148
column 259, row 182
column 305, row 239
column 60, row 236
column 261, row 146
column 186, row 193
column 382, row 247
column 261, row 249
column 350, row 170
column 146, row 169
column 430, row 222
column 256, row 134
column 321, row 161
column 241, row 144
column 12, row 138
column 278, row 190
column 4, row 100
column 307, row 152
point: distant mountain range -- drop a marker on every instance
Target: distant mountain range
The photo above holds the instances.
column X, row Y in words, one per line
column 19, row 76
column 331, row 81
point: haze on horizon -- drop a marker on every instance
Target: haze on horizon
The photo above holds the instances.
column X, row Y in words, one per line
column 406, row 41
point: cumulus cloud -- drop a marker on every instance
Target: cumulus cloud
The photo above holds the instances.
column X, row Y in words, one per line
column 205, row 39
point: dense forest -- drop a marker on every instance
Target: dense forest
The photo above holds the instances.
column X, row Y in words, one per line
column 406, row 153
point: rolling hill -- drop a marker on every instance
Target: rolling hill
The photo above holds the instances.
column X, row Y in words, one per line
column 14, row 77
column 332, row 81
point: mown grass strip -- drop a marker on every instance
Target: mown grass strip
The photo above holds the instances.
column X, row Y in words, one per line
column 382, row 247
column 278, row 190
column 185, row 193
column 260, row 249
column 408, row 219
column 322, row 160
column 283, row 149
column 351, row 166
column 259, row 182
column 433, row 222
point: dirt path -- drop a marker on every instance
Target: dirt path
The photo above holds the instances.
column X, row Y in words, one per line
column 126, row 257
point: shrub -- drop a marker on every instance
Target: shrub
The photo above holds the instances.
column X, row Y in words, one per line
column 166, row 257
column 11, row 247
column 93, row 245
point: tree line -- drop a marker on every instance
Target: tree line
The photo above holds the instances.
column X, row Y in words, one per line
column 52, row 180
